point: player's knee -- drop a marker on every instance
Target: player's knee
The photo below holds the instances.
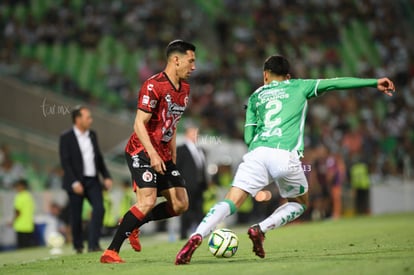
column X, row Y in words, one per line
column 303, row 200
column 146, row 204
column 180, row 207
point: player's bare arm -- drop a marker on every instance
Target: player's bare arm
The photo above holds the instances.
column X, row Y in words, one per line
column 141, row 120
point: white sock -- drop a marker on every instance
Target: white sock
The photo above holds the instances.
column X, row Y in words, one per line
column 217, row 213
column 282, row 215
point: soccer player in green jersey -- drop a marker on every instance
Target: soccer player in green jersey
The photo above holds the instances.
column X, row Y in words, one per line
column 275, row 120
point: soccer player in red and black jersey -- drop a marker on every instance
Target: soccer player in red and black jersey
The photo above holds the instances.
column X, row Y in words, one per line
column 151, row 149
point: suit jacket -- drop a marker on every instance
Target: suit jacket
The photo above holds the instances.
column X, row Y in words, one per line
column 195, row 178
column 71, row 158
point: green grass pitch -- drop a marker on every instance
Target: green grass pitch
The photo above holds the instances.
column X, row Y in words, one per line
column 363, row 245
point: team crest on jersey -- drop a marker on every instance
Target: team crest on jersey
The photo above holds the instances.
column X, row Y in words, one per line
column 147, row 176
column 153, row 103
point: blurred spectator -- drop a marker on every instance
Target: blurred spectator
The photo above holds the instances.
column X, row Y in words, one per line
column 54, row 221
column 360, row 182
column 4, row 153
column 24, row 209
column 82, row 162
column 10, row 171
column 191, row 163
column 54, row 178
column 115, row 79
column 109, row 223
column 336, row 175
column 322, row 206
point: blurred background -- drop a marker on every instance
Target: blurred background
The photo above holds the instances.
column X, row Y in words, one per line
column 55, row 54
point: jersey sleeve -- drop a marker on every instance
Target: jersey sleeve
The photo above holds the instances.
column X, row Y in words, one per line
column 343, row 83
column 251, row 121
column 147, row 97
column 309, row 87
column 316, row 87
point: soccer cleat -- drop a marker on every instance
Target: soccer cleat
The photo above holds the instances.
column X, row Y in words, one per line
column 134, row 240
column 111, row 257
column 184, row 256
column 257, row 237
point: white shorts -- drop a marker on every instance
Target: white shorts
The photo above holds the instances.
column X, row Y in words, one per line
column 263, row 164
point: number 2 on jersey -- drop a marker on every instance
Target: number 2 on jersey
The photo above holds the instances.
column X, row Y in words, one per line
column 271, row 120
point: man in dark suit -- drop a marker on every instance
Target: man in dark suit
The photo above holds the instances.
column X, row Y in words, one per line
column 191, row 164
column 82, row 162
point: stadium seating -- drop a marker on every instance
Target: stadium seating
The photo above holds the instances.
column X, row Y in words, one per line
column 300, row 30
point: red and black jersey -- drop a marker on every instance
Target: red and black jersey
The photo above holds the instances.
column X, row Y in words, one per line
column 159, row 97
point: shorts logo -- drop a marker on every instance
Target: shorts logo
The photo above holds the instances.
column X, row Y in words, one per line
column 175, row 173
column 135, row 161
column 147, row 176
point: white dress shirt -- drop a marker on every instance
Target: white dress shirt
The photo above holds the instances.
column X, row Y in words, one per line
column 88, row 154
column 196, row 152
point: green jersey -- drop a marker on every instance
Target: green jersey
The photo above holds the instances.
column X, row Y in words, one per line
column 276, row 112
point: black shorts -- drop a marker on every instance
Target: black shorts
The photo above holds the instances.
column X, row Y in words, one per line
column 144, row 176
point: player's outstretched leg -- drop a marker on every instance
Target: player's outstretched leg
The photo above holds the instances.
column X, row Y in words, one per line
column 282, row 215
column 257, row 237
column 184, row 255
column 134, row 240
column 216, row 214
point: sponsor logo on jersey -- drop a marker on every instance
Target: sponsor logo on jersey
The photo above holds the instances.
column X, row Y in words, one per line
column 174, row 108
column 147, row 176
column 268, row 95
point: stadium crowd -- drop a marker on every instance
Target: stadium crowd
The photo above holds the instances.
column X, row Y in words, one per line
column 233, row 38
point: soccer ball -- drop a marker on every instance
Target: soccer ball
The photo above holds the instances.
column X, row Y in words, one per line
column 223, row 243
column 55, row 240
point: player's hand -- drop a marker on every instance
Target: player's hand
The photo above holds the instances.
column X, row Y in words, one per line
column 386, row 86
column 157, row 164
column 77, row 187
column 108, row 183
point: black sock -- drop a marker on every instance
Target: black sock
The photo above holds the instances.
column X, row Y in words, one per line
column 160, row 212
column 129, row 222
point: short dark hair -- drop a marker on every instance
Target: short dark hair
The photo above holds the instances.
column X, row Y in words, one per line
column 21, row 182
column 180, row 46
column 277, row 65
column 76, row 112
